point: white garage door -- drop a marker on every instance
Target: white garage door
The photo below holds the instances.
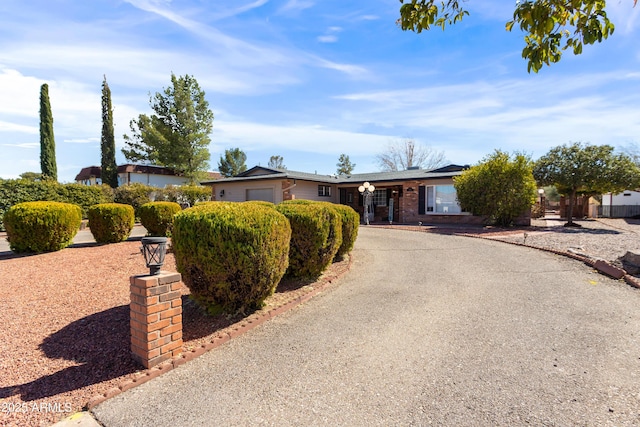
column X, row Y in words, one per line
column 265, row 194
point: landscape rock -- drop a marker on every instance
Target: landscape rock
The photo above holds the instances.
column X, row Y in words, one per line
column 631, row 262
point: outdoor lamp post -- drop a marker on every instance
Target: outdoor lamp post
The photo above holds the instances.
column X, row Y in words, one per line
column 366, row 190
column 542, row 203
column 154, row 250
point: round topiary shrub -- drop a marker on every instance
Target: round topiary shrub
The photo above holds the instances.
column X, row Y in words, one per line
column 350, row 223
column 157, row 217
column 350, row 227
column 111, row 222
column 41, row 226
column 231, row 255
column 260, row 203
column 316, row 235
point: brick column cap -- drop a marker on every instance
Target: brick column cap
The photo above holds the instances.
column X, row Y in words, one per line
column 148, row 281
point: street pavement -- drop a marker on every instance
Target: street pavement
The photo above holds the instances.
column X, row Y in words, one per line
column 425, row 329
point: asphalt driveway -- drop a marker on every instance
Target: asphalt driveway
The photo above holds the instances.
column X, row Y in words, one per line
column 425, row 329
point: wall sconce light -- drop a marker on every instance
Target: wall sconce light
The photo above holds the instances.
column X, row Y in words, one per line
column 410, row 189
column 154, row 249
column 221, row 193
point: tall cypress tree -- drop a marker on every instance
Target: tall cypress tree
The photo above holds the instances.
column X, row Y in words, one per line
column 47, row 143
column 108, row 145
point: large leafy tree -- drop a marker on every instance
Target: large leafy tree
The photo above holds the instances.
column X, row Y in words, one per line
column 31, row 176
column 232, row 163
column 177, row 135
column 549, row 26
column 501, row 187
column 345, row 167
column 48, row 165
column 404, row 154
column 276, row 162
column 586, row 169
column 109, row 169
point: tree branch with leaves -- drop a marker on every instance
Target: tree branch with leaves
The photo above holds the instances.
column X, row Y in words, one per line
column 232, row 162
column 586, row 169
column 177, row 135
column 550, row 26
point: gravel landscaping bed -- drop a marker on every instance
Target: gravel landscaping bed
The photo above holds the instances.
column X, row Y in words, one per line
column 65, row 335
column 604, row 238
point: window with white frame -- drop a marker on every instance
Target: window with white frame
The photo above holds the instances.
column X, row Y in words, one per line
column 442, row 199
column 380, row 197
column 324, row 190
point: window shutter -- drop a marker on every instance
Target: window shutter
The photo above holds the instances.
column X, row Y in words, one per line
column 421, row 200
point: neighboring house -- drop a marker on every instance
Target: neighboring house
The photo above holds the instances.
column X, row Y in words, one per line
column 409, row 196
column 156, row 176
column 622, row 205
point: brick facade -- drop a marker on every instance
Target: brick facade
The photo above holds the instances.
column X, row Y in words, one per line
column 156, row 317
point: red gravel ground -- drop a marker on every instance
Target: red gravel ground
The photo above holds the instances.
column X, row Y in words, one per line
column 65, row 335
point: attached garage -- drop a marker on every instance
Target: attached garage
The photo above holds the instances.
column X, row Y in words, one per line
column 264, row 194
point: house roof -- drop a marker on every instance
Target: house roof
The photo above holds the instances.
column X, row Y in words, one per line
column 96, row 171
column 88, row 172
column 262, row 172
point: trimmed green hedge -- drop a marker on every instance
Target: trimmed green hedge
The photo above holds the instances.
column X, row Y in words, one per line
column 135, row 194
column 350, row 227
column 260, row 203
column 42, row 226
column 111, row 222
column 14, row 191
column 231, row 255
column 316, row 236
column 350, row 223
column 157, row 217
column 190, row 194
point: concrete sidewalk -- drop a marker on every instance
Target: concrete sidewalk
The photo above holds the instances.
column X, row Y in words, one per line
column 84, row 237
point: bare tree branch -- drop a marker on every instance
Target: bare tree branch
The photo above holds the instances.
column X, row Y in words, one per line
column 405, row 153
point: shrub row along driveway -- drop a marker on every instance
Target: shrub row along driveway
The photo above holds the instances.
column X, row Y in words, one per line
column 425, row 329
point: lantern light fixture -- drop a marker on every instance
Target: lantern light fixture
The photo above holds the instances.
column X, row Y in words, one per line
column 154, row 249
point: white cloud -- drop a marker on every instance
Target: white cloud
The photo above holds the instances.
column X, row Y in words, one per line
column 15, row 127
column 327, row 39
column 513, row 113
column 82, row 140
column 352, row 70
column 23, row 91
column 296, row 6
column 624, row 16
column 27, row 145
column 304, row 138
column 227, row 13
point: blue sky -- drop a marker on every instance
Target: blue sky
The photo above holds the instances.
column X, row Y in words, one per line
column 307, row 80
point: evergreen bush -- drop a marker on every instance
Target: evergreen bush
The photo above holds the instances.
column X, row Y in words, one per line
column 111, row 222
column 41, row 226
column 350, row 223
column 84, row 196
column 135, row 194
column 189, row 194
column 231, row 255
column 14, row 191
column 157, row 217
column 316, row 236
column 260, row 203
column 350, row 227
